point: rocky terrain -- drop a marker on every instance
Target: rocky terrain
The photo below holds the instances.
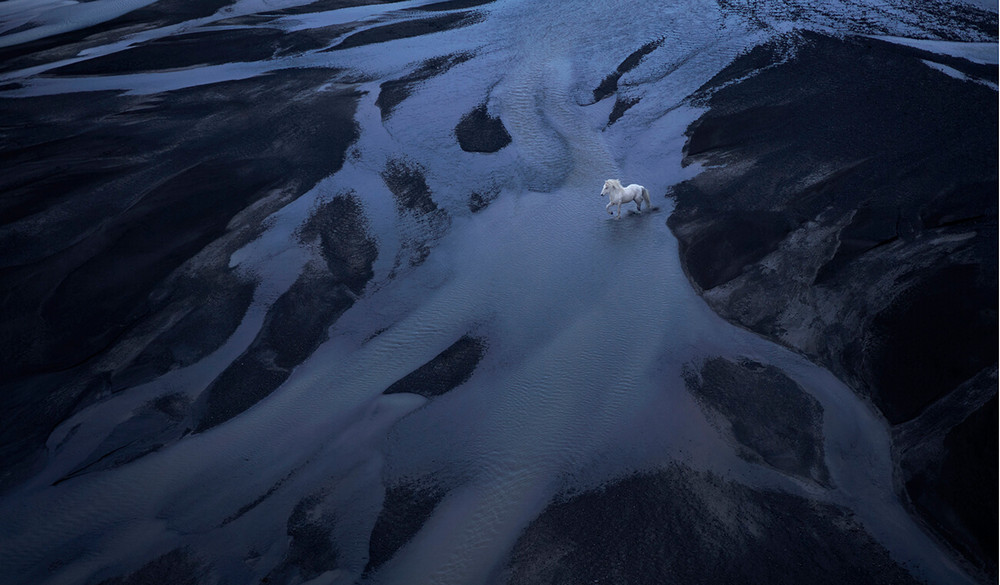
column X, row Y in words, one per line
column 324, row 292
column 684, row 515
column 849, row 211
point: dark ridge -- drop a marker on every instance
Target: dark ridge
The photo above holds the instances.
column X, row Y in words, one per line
column 480, row 132
column 393, row 92
column 607, row 87
column 610, row 83
column 30, row 423
column 409, row 28
column 768, row 414
column 406, row 508
column 448, row 370
column 657, row 528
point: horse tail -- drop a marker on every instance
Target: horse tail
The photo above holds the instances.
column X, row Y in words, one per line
column 645, row 195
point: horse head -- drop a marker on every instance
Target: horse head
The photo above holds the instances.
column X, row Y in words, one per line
column 609, row 185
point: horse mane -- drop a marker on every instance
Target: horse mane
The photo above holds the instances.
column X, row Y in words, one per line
column 614, row 182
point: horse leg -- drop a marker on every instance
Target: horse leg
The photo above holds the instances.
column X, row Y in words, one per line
column 619, row 210
column 638, row 205
column 607, row 207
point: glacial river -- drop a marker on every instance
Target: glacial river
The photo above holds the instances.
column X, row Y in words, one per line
column 588, row 322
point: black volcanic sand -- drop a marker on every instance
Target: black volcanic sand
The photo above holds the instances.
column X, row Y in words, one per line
column 622, row 104
column 406, row 508
column 446, row 371
column 409, row 187
column 452, row 5
column 952, row 22
column 609, row 85
column 325, row 5
column 941, row 459
column 210, row 47
column 962, row 473
column 311, row 549
column 409, row 28
column 683, row 526
column 850, row 195
column 121, row 191
column 393, row 92
column 297, row 322
column 205, row 48
column 477, row 131
column 154, row 425
column 768, row 414
column 178, row 567
column 423, row 221
column 67, row 45
column 479, row 201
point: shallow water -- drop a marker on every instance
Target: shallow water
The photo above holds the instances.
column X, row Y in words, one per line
column 588, row 321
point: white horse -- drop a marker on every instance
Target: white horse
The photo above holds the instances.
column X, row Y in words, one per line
column 618, row 194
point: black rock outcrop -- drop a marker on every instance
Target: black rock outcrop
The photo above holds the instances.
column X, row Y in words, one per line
column 480, row 132
column 849, row 211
